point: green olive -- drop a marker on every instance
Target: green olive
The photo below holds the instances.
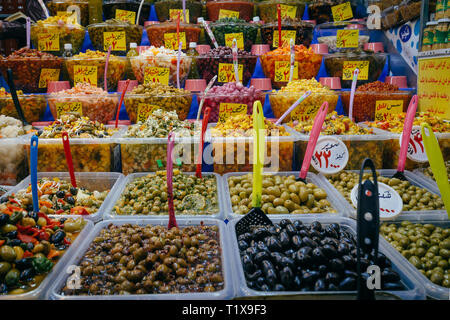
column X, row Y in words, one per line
column 7, row 253
column 12, row 278
column 4, row 267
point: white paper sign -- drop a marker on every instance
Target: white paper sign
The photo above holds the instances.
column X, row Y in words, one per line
column 391, row 204
column 416, row 149
column 330, row 155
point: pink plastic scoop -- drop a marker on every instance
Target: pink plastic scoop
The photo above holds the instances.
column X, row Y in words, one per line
column 68, row 153
column 169, row 176
column 121, row 101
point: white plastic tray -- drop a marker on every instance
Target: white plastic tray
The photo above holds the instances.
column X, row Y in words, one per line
column 226, row 293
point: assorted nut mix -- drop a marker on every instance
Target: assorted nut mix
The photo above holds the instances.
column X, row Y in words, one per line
column 132, row 259
column 147, row 195
column 280, row 195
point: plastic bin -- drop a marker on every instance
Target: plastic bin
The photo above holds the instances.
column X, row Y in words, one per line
column 59, row 268
column 131, row 177
column 110, row 8
column 157, row 34
column 226, row 293
column 327, row 33
column 414, row 290
column 221, row 28
column 311, row 177
column 303, row 32
column 56, row 6
column 350, row 211
column 99, row 181
column 242, row 9
column 164, row 7
column 33, row 106
column 13, row 161
column 267, row 10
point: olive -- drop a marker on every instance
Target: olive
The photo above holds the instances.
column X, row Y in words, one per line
column 58, row 236
column 7, row 253
column 303, row 233
column 329, row 251
column 264, row 287
column 389, row 275
column 253, row 276
column 303, row 260
column 273, row 244
column 290, row 229
column 15, row 242
column 331, row 241
column 322, row 270
column 287, row 262
column 318, row 256
column 309, row 242
column 247, row 263
column 3, row 288
column 310, row 277
column 70, row 200
column 251, row 251
column 4, row 267
column 260, row 233
column 60, row 194
column 26, row 275
column 4, row 218
column 337, row 265
column 242, row 245
column 349, row 262
column 284, row 222
column 332, row 277
column 305, row 250
column 279, row 287
column 33, row 215
column 15, row 217
column 316, row 225
column 320, row 285
column 348, row 284
column 392, row 286
column 73, row 191
column 12, row 278
column 11, row 235
column 333, row 287
column 298, row 225
column 296, row 242
column 261, row 256
column 24, row 263
column 350, row 273
column 286, row 276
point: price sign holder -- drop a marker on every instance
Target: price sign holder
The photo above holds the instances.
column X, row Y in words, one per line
column 330, row 155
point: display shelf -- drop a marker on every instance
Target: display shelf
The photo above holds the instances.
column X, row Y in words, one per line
column 434, row 53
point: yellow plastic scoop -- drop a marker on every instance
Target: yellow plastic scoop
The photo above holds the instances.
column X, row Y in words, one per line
column 437, row 164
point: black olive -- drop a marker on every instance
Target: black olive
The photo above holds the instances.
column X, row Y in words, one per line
column 29, row 207
column 284, row 239
column 364, row 264
column 330, row 232
column 252, row 277
column 318, row 256
column 316, row 225
column 15, row 242
column 260, row 246
column 287, row 277
column 353, row 253
column 332, row 277
column 267, row 266
column 261, row 256
column 298, row 225
column 264, row 287
column 331, row 241
column 24, row 263
column 346, row 240
column 244, row 237
column 365, row 276
column 251, row 285
column 392, row 286
column 274, row 230
column 289, row 252
column 290, row 229
column 273, row 244
column 60, row 194
column 381, row 260
column 276, row 257
column 322, row 269
column 389, row 275
column 4, row 218
column 303, row 233
column 320, row 285
column 284, row 222
column 27, row 274
column 349, row 273
column 343, row 248
column 288, row 262
column 335, row 226
column 305, row 250
column 314, row 234
column 3, row 288
column 247, row 264
column 306, row 289
column 302, row 260
column 73, row 191
column 242, row 245
column 260, row 281
column 297, row 282
column 62, row 220
column 279, row 287
column 296, row 242
column 271, row 277
column 349, row 262
column 70, row 200
column 329, row 251
column 332, row 287
column 337, row 265
column 30, row 246
column 310, row 277
column 58, row 236
column 348, row 284
column 33, row 215
column 309, row 242
column 39, row 132
column 11, row 235
column 260, row 233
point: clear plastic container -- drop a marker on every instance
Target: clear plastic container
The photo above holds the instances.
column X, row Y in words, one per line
column 140, row 63
column 414, row 290
column 350, row 210
column 428, row 176
column 54, row 292
column 410, row 9
column 327, row 33
column 164, row 7
column 56, row 6
column 218, row 212
column 267, row 10
column 4, row 189
column 133, row 33
column 13, row 161
column 310, row 178
column 33, row 106
column 110, row 8
column 303, row 32
column 242, row 9
column 99, row 181
column 59, row 268
column 116, row 69
column 221, row 28
column 320, row 10
column 157, row 34
column 390, row 17
column 432, row 290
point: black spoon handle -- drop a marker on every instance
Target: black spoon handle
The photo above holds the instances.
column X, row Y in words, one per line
column 12, row 88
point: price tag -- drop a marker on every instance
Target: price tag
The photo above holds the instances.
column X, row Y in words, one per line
column 287, row 11
column 144, row 111
column 226, row 72
column 342, row 12
column 171, row 41
column 227, row 110
column 66, row 107
column 286, row 36
column 347, row 39
column 305, row 112
column 117, row 41
column 156, row 74
column 350, row 66
column 48, row 75
column 416, row 150
column 391, row 204
column 383, row 108
column 85, row 74
column 173, row 14
column 330, row 155
column 48, row 42
column 282, row 69
column 223, row 13
column 125, row 15
column 239, row 39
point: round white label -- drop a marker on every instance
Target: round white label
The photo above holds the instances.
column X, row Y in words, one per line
column 330, row 155
column 391, row 204
column 416, row 149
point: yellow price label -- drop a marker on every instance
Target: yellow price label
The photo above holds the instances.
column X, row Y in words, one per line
column 85, row 74
column 347, row 38
column 144, row 111
column 305, row 112
column 171, row 41
column 383, row 108
column 117, row 41
column 227, row 110
column 223, row 13
column 66, row 107
column 226, row 72
column 283, row 69
column 173, row 14
column 342, row 11
column 239, row 40
column 125, row 15
column 350, row 66
column 156, row 74
column 48, row 42
column 48, row 75
column 286, row 36
column 287, row 11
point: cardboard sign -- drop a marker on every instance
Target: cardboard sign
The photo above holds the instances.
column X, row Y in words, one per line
column 342, row 12
column 156, row 74
column 330, row 155
column 226, row 72
column 239, row 40
column 227, row 110
column 173, row 15
column 144, row 111
column 125, row 15
column 286, row 36
column 350, row 66
column 223, row 13
column 48, row 75
column 347, row 38
column 171, row 41
column 85, row 74
column 305, row 112
column 384, row 108
column 117, row 41
column 282, row 70
column 287, row 11
column 416, row 150
column 65, row 107
column 48, row 42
